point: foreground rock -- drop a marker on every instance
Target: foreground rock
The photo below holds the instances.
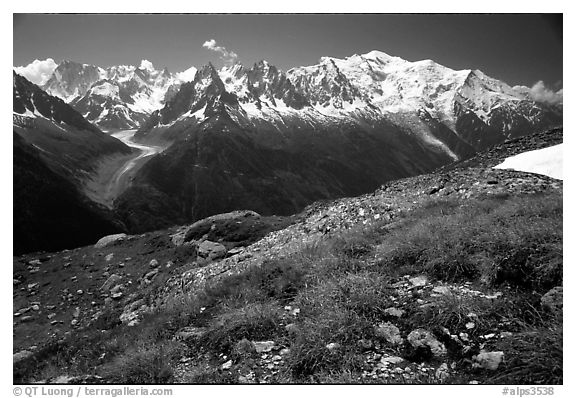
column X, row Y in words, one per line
column 421, row 338
column 553, row 300
column 211, row 250
column 488, row 360
column 108, row 240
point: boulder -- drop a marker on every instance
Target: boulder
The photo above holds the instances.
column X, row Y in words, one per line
column 392, row 311
column 389, row 333
column 190, row 333
column 553, row 300
column 418, row 281
column 151, row 275
column 111, row 282
column 244, row 348
column 21, row 355
column 423, row 338
column 211, row 250
column 263, row 346
column 391, row 360
column 488, row 360
column 107, row 240
column 226, row 365
column 442, row 373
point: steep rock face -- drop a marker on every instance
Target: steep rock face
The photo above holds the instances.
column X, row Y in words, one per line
column 105, row 105
column 71, row 79
column 58, row 130
column 32, row 102
column 221, row 165
column 55, row 151
column 118, row 97
column 50, row 213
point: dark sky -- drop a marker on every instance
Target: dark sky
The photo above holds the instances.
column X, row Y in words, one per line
column 519, row 49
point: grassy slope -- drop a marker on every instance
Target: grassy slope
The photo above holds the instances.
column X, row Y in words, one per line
column 342, row 286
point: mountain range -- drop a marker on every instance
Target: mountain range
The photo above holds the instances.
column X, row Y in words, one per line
column 271, row 141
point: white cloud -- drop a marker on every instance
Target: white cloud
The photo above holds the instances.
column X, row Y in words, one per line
column 229, row 57
column 187, row 75
column 38, row 72
column 540, row 93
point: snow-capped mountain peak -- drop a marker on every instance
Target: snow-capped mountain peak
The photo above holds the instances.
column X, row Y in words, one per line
column 147, row 65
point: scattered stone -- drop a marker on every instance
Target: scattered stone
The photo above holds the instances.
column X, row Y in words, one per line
column 154, row 263
column 441, row 290
column 417, row 281
column 26, row 318
column 285, row 351
column 488, row 360
column 117, row 289
column 190, row 333
column 79, row 291
column 332, row 346
column 35, row 307
column 32, row 286
column 244, row 348
column 35, row 262
column 51, row 315
column 423, row 338
column 390, row 333
column 226, row 365
column 263, row 346
column 16, row 282
column 442, row 373
column 111, row 282
column 107, row 240
column 74, row 322
column 131, row 318
column 470, row 325
column 391, row 360
column 553, row 300
column 276, row 358
column 116, row 296
column 392, row 311
column 109, row 257
column 291, row 328
column 366, row 344
column 150, row 275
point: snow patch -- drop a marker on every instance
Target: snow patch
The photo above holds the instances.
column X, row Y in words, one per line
column 188, row 75
column 546, row 161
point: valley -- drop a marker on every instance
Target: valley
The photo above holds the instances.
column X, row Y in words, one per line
column 114, row 174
